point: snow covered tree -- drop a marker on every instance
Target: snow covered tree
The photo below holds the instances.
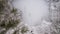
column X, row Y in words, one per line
column 55, row 15
column 9, row 17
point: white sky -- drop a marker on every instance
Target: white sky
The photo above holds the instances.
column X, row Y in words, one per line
column 33, row 10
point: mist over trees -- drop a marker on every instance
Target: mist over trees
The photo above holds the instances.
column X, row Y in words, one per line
column 10, row 18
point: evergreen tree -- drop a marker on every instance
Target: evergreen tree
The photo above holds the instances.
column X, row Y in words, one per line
column 9, row 18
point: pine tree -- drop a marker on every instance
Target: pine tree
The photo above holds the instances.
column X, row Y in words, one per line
column 9, row 18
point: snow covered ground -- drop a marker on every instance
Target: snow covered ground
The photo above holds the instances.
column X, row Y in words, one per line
column 33, row 13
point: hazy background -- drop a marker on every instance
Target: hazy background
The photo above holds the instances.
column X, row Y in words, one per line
column 33, row 10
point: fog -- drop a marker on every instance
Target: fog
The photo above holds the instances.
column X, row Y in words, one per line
column 33, row 10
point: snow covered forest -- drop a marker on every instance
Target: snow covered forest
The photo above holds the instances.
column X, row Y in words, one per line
column 29, row 16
